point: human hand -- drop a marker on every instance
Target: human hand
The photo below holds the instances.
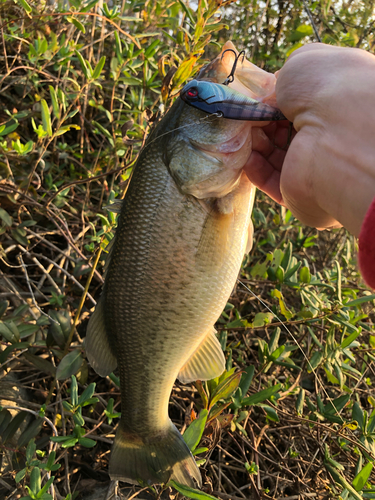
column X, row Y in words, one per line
column 326, row 176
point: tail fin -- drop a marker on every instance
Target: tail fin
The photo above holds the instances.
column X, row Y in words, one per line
column 157, row 460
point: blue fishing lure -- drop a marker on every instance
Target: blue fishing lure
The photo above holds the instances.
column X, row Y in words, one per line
column 216, row 98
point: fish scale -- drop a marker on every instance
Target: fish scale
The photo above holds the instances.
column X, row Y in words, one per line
column 183, row 230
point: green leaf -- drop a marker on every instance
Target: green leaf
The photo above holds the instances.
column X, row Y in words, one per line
column 193, row 433
column 305, row 275
column 226, row 388
column 350, row 339
column 55, row 103
column 302, row 31
column 357, row 414
column 69, row 365
column 98, row 68
column 46, row 117
column 184, row 70
column 5, row 217
column 271, row 412
column 87, row 442
column 13, row 427
column 19, row 234
column 188, row 12
column 246, row 379
column 4, row 304
column 6, row 332
column 261, row 395
column 62, row 130
column 131, row 80
column 68, row 443
column 338, row 269
column 284, row 310
column 87, row 8
column 42, row 364
column 361, row 478
column 87, row 394
column 371, row 422
column 357, row 302
column 35, row 480
column 74, row 391
column 20, row 475
column 342, row 481
column 277, row 353
column 190, row 492
column 9, row 127
column 30, row 450
column 300, row 401
column 315, row 361
column 83, row 65
column 337, row 404
column 60, row 439
column 25, row 5
column 76, row 23
column 51, row 460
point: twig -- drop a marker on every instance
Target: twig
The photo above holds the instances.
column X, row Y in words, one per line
column 90, row 179
column 35, row 413
column 230, row 482
column 312, row 21
column 31, row 291
column 70, row 276
column 225, row 496
column 82, row 301
column 298, row 497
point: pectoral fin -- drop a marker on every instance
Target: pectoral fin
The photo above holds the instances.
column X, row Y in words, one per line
column 206, row 362
column 250, row 232
column 97, row 345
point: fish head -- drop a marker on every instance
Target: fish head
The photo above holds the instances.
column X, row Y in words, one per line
column 206, row 153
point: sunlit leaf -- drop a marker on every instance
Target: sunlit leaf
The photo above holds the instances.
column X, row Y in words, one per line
column 25, row 5
column 226, row 388
column 55, row 104
column 46, row 117
column 98, row 68
column 261, row 395
column 193, row 433
column 191, row 492
column 76, row 23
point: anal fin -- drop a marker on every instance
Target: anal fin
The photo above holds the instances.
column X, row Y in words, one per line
column 206, row 362
column 97, row 345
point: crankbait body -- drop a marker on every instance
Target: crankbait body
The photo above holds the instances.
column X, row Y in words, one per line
column 216, row 98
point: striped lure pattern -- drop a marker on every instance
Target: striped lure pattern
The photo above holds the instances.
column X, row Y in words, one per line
column 216, row 98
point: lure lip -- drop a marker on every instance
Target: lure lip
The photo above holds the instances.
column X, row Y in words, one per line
column 219, row 99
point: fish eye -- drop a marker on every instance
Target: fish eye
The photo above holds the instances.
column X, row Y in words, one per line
column 193, row 92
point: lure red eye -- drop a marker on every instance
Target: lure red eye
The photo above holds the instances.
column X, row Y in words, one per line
column 192, row 92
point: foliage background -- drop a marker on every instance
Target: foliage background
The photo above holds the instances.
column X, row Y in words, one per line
column 81, row 83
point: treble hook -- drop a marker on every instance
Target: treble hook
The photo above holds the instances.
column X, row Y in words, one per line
column 230, row 77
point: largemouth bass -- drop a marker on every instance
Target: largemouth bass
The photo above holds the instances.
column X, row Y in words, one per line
column 183, row 231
